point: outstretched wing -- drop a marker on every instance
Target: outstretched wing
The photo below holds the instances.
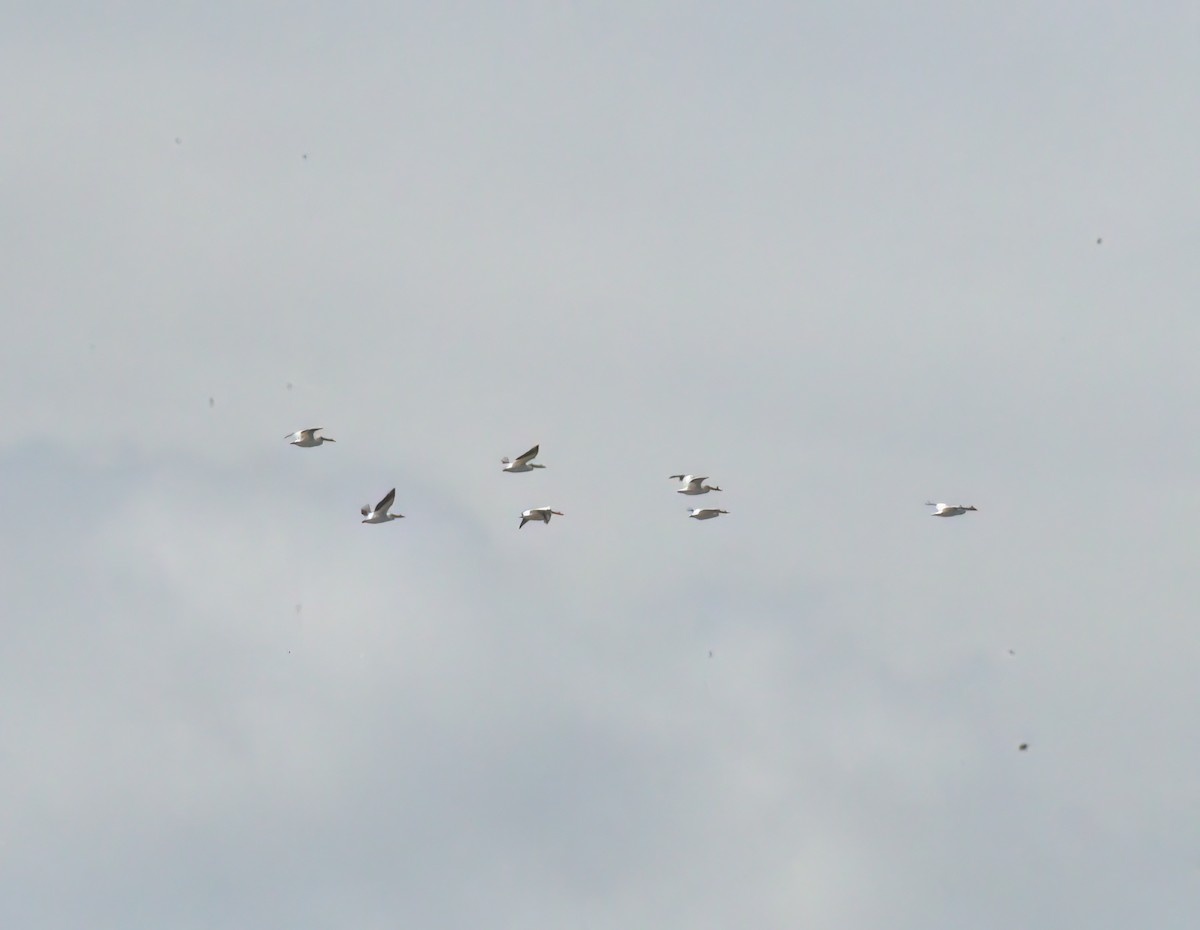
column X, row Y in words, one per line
column 695, row 483
column 680, row 477
column 531, row 454
column 388, row 500
column 524, row 520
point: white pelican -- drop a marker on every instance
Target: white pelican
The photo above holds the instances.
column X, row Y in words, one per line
column 379, row 513
column 307, row 437
column 705, row 513
column 522, row 462
column 538, row 513
column 694, row 484
column 949, row 510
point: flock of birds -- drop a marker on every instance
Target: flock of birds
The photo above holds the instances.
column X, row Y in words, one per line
column 692, row 485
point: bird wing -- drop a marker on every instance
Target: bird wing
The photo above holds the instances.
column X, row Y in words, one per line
column 696, row 482
column 387, row 501
column 680, row 477
column 524, row 520
column 531, row 454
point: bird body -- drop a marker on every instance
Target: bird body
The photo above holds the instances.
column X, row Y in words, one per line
column 705, row 513
column 694, row 484
column 306, row 438
column 538, row 513
column 379, row 513
column 949, row 510
column 522, row 462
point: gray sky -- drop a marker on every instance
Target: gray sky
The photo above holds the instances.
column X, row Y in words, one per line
column 842, row 258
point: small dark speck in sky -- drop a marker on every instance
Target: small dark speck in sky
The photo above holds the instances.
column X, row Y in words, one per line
column 1098, row 241
column 289, row 385
column 212, row 402
column 178, row 141
column 1023, row 747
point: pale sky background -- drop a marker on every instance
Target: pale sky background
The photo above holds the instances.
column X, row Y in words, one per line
column 840, row 257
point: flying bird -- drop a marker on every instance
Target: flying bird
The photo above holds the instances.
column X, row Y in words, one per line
column 522, row 462
column 705, row 513
column 694, row 484
column 379, row 513
column 949, row 510
column 306, row 438
column 538, row 513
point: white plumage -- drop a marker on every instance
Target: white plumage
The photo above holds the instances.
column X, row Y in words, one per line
column 522, row 462
column 538, row 513
column 949, row 510
column 379, row 513
column 694, row 484
column 306, row 438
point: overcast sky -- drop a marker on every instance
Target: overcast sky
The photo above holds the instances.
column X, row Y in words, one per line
column 842, row 258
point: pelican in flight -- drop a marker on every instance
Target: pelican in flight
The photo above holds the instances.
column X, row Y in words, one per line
column 705, row 513
column 694, row 484
column 949, row 510
column 379, row 513
column 306, row 438
column 538, row 513
column 522, row 462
